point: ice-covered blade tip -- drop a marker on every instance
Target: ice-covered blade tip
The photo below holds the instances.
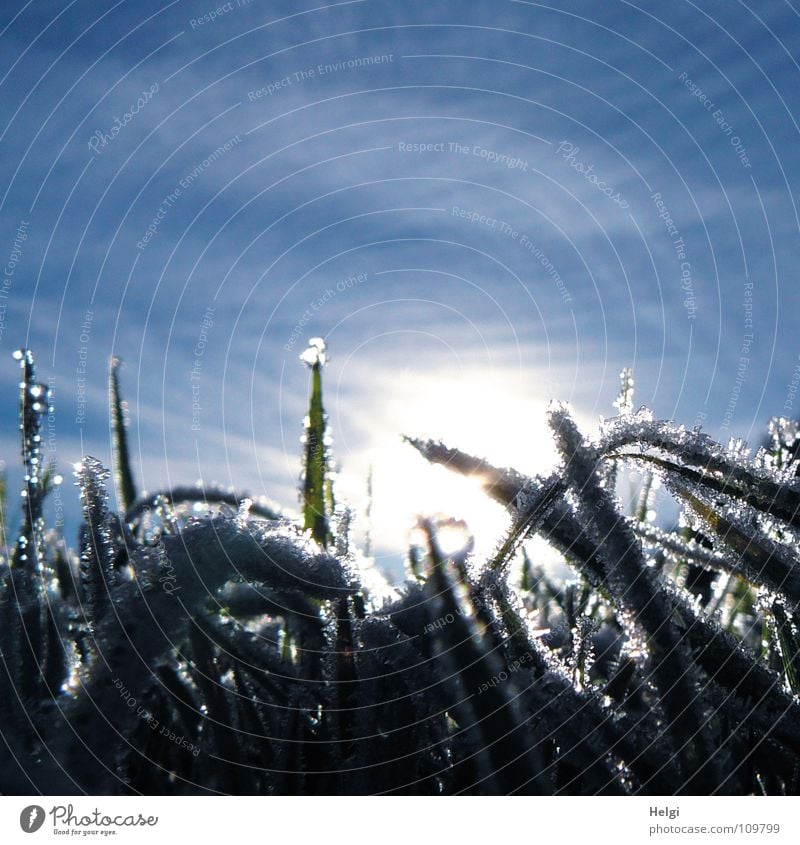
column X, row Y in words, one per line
column 316, row 353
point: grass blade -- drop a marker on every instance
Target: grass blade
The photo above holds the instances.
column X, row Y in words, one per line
column 318, row 501
column 123, row 475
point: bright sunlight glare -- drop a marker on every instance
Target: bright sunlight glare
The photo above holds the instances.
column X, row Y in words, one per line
column 482, row 413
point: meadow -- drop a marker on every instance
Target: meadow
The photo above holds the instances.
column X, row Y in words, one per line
column 199, row 641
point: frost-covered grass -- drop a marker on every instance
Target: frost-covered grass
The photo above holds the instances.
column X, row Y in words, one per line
column 200, row 642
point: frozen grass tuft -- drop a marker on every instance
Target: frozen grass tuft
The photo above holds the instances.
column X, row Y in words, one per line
column 242, row 652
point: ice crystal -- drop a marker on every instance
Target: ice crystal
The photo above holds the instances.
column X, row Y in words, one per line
column 316, row 354
column 624, row 401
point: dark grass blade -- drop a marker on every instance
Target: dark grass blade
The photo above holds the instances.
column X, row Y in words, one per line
column 29, row 574
column 502, row 485
column 205, row 495
column 755, row 556
column 34, row 406
column 583, row 726
column 97, row 575
column 487, row 706
column 786, row 632
column 637, row 593
column 711, row 465
column 530, row 512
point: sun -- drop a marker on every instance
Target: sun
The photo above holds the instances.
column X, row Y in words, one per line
column 492, row 416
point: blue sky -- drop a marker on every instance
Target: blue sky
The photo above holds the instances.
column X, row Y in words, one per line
column 480, row 205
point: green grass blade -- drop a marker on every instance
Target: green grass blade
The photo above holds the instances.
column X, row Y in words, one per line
column 318, row 502
column 123, row 476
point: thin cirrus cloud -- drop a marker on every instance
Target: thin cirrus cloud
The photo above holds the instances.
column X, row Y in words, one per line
column 491, row 250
